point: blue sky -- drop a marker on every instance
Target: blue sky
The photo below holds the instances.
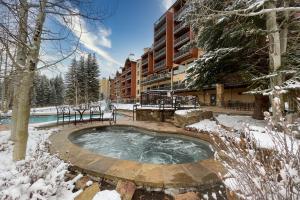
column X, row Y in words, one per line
column 128, row 28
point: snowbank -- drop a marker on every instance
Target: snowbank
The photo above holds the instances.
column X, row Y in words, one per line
column 107, row 195
column 122, row 106
column 205, row 125
column 185, row 112
column 238, row 122
column 40, row 175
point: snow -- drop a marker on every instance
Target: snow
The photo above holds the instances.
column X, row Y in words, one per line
column 107, row 195
column 40, row 175
column 238, row 122
column 122, row 106
column 89, row 183
column 185, row 112
column 205, row 125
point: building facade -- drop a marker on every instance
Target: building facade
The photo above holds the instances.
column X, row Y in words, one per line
column 162, row 67
column 124, row 84
column 164, row 64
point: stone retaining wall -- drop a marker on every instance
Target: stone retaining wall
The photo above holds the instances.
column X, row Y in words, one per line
column 153, row 115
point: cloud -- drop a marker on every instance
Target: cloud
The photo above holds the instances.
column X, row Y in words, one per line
column 166, row 4
column 94, row 41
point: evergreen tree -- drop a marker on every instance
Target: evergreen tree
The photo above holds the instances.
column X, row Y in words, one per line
column 59, row 89
column 71, row 82
column 93, row 73
column 234, row 47
column 81, row 79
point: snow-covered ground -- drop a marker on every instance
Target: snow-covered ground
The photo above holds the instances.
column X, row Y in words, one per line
column 205, row 125
column 238, row 122
column 257, row 129
column 185, row 112
column 40, row 175
column 123, row 106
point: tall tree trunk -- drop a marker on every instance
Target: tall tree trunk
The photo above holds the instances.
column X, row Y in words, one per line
column 274, row 53
column 23, row 115
column 23, row 112
column 20, row 60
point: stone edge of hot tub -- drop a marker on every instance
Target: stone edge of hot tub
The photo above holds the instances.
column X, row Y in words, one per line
column 202, row 173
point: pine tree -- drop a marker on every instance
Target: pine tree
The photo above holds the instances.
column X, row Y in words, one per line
column 59, row 89
column 93, row 76
column 71, row 82
column 81, row 79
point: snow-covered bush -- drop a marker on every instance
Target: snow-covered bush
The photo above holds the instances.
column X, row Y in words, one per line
column 39, row 176
column 269, row 171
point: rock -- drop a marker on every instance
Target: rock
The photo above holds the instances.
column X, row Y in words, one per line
column 191, row 117
column 126, row 189
column 231, row 195
column 81, row 183
column 69, row 176
column 89, row 192
column 187, row 196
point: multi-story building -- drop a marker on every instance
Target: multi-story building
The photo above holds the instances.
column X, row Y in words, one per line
column 104, row 89
column 123, row 86
column 164, row 64
column 138, row 78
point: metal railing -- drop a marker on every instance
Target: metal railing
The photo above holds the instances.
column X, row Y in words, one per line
column 144, row 61
column 160, row 21
column 182, row 39
column 160, row 64
column 179, row 12
column 160, row 42
column 145, row 70
column 156, row 77
column 160, row 53
column 179, row 27
column 181, row 54
column 160, row 31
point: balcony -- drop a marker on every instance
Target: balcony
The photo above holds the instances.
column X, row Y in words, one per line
column 181, row 54
column 144, row 71
column 144, row 61
column 182, row 39
column 160, row 42
column 128, row 77
column 160, row 53
column 160, row 21
column 179, row 27
column 159, row 65
column 179, row 12
column 160, row 31
column 155, row 78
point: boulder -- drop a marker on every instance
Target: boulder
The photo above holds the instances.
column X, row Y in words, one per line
column 81, row 183
column 187, row 196
column 182, row 119
column 89, row 193
column 126, row 189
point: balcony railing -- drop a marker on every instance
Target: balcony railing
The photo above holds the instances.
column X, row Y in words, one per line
column 160, row 42
column 160, row 53
column 160, row 65
column 144, row 71
column 181, row 54
column 182, row 39
column 160, row 21
column 155, row 78
column 179, row 27
column 160, row 31
column 145, row 61
column 179, row 12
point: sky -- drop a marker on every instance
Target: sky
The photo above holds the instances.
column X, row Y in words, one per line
column 126, row 28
